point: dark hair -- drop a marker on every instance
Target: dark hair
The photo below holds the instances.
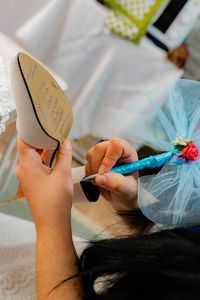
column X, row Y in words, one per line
column 162, row 265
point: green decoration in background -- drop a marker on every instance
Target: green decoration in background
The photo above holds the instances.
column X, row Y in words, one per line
column 130, row 18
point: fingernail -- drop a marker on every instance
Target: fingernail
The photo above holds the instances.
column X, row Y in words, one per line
column 67, row 145
column 101, row 180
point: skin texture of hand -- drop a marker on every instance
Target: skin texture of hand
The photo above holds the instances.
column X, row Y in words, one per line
column 49, row 195
column 48, row 191
column 120, row 190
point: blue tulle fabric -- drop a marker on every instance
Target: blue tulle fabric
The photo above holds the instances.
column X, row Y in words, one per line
column 172, row 196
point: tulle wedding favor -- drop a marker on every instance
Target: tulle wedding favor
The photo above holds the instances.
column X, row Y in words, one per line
column 172, row 196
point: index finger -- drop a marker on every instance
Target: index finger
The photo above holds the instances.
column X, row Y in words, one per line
column 117, row 150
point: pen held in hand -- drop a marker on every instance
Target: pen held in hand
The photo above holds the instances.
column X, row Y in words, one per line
column 150, row 162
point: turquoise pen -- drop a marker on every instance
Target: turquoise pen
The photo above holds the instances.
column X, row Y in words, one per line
column 154, row 161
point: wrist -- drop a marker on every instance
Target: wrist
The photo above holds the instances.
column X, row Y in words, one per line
column 54, row 221
column 128, row 204
column 134, row 203
column 60, row 228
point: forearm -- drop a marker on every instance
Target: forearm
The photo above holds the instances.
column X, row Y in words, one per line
column 49, row 195
column 56, row 261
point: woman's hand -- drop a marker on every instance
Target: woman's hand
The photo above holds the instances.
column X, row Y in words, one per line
column 49, row 195
column 119, row 190
column 48, row 191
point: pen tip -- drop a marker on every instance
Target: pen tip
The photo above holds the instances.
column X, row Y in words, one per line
column 89, row 178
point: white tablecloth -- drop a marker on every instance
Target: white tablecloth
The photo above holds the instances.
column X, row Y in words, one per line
column 103, row 71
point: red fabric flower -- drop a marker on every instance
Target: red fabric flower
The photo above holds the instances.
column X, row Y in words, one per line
column 191, row 152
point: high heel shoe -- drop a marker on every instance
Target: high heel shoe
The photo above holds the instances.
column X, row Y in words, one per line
column 44, row 117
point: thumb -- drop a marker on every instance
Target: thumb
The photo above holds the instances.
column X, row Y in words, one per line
column 63, row 160
column 115, row 182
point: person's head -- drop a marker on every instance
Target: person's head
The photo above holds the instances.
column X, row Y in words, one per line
column 159, row 265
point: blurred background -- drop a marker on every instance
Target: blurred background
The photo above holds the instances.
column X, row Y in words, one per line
column 104, row 54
